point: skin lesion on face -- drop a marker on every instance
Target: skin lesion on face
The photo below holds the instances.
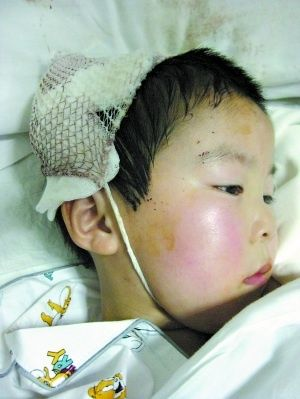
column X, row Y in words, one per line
column 168, row 239
column 160, row 236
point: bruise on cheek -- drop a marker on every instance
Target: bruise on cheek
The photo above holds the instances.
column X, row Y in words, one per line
column 245, row 129
column 168, row 239
column 161, row 236
column 164, row 240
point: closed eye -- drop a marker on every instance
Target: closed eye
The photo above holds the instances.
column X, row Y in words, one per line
column 231, row 189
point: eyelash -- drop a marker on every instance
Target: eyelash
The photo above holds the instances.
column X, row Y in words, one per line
column 237, row 190
column 269, row 199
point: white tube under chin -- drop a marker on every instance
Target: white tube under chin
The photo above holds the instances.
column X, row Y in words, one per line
column 131, row 254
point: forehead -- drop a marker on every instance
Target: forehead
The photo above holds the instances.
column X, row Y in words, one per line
column 236, row 122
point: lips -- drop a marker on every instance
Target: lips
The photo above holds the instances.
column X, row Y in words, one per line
column 260, row 277
column 265, row 269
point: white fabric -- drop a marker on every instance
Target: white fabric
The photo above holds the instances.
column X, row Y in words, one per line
column 284, row 91
column 254, row 356
column 25, row 295
column 77, row 350
column 29, row 243
column 63, row 188
column 286, row 119
column 261, row 35
column 13, row 148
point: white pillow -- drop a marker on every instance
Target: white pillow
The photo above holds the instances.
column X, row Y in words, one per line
column 28, row 242
column 286, row 119
column 262, row 35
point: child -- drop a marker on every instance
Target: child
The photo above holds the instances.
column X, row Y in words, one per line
column 194, row 191
column 163, row 172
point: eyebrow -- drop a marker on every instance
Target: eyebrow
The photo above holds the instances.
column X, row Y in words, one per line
column 224, row 153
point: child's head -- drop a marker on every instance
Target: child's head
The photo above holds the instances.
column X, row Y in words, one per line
column 194, row 191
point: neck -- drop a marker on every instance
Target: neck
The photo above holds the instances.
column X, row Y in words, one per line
column 124, row 297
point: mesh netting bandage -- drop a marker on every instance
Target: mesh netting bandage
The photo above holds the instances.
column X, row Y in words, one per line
column 77, row 110
column 76, row 113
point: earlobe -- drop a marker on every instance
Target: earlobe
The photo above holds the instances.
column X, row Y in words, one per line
column 91, row 225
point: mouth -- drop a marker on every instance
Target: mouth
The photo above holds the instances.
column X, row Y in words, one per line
column 260, row 277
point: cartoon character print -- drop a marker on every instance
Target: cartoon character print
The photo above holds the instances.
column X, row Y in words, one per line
column 59, row 309
column 49, row 275
column 135, row 339
column 110, row 388
column 62, row 369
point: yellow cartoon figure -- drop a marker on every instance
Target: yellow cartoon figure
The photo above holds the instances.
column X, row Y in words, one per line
column 111, row 388
column 53, row 381
column 59, row 309
column 62, row 368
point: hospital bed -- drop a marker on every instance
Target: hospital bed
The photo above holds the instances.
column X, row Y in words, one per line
column 256, row 354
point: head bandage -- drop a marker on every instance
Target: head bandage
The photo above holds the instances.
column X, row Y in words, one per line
column 76, row 112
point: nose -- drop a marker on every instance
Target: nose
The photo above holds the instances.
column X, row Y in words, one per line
column 264, row 224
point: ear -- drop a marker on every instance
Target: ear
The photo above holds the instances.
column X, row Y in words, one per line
column 91, row 224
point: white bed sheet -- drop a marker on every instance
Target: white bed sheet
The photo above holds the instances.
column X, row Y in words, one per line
column 256, row 355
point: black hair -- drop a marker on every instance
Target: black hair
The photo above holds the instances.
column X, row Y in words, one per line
column 168, row 93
